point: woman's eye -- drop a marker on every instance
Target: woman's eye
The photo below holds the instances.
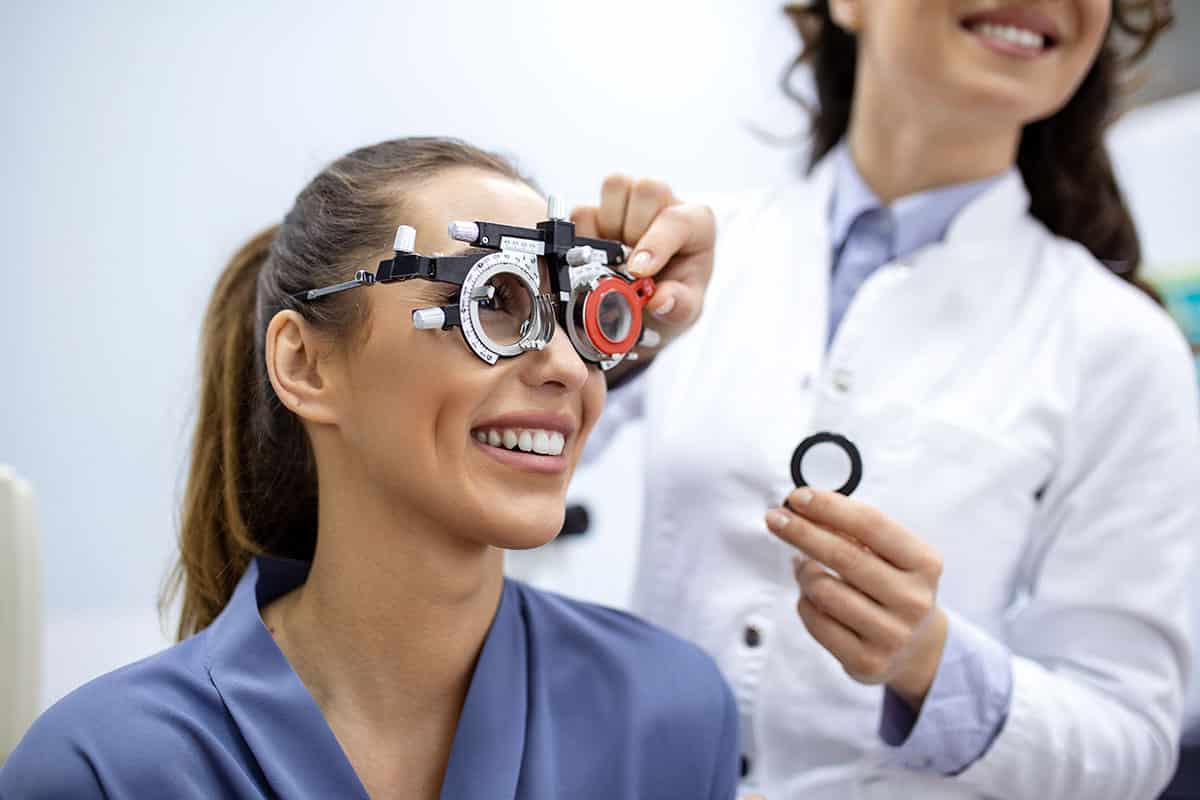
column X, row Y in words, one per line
column 501, row 300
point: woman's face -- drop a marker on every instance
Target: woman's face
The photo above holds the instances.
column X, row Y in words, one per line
column 999, row 61
column 417, row 402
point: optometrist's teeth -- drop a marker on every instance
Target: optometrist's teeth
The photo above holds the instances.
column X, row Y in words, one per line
column 1011, row 33
column 541, row 443
column 494, row 438
column 525, row 441
column 557, row 443
column 510, row 438
column 481, row 436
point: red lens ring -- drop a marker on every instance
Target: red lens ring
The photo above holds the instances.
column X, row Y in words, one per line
column 591, row 316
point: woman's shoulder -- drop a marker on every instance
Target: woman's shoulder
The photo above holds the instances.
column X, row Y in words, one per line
column 643, row 659
column 111, row 736
column 1110, row 316
column 672, row 717
column 609, row 627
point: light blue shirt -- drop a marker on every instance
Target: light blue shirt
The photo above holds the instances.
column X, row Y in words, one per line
column 567, row 699
column 970, row 696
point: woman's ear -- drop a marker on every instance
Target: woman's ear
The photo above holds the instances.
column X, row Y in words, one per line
column 847, row 14
column 299, row 374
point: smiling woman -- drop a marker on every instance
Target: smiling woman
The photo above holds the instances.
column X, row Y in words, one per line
column 347, row 630
column 1065, row 87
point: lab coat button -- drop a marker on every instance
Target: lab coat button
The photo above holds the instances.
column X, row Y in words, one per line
column 752, row 636
column 843, row 380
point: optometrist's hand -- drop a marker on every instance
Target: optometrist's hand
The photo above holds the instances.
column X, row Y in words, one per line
column 672, row 242
column 878, row 615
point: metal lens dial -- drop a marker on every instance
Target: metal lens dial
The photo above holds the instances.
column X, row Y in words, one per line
column 498, row 306
column 507, row 315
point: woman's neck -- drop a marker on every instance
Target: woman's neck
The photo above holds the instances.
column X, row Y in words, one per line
column 391, row 620
column 387, row 628
column 901, row 147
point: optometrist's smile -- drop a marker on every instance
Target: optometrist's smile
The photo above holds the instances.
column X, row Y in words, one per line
column 1018, row 31
column 533, row 441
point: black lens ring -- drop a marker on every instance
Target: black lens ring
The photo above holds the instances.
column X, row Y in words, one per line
column 847, row 446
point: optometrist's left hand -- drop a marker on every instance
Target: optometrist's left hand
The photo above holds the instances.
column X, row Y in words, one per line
column 672, row 242
column 868, row 590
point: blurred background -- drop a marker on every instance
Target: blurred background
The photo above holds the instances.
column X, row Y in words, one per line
column 144, row 142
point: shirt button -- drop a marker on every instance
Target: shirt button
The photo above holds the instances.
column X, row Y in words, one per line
column 752, row 636
column 745, row 765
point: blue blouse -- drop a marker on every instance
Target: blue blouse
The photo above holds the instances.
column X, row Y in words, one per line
column 567, row 700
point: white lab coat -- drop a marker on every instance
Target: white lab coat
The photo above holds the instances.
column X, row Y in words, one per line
column 1030, row 415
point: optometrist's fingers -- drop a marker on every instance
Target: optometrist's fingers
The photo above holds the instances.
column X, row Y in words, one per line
column 614, row 201
column 586, row 221
column 857, row 565
column 676, row 233
column 868, row 525
column 675, row 305
column 647, row 198
column 856, row 656
column 678, row 250
column 862, row 615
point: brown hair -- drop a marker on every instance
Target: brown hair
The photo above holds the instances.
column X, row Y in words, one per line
column 1062, row 158
column 251, row 486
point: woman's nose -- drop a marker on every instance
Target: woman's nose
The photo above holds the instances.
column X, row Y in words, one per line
column 558, row 365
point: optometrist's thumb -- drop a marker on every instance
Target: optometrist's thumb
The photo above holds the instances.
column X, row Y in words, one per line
column 674, row 305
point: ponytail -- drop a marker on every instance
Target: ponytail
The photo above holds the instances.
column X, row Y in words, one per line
column 215, row 542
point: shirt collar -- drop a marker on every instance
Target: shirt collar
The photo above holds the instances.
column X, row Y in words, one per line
column 278, row 718
column 289, row 736
column 489, row 744
column 917, row 220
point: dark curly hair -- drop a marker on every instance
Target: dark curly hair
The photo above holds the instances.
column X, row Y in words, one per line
column 1062, row 158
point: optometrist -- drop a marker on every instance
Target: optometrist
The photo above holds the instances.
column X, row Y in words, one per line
column 998, row 609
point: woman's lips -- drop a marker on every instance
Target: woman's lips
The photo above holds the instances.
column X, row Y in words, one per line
column 1019, row 31
column 1009, row 46
column 529, row 462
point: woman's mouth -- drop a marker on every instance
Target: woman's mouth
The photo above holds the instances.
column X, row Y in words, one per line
column 531, row 441
column 1016, row 31
column 527, row 449
column 525, row 440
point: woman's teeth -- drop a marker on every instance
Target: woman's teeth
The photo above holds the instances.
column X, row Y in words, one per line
column 546, row 443
column 1010, row 33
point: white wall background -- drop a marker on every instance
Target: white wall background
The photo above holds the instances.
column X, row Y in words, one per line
column 142, row 143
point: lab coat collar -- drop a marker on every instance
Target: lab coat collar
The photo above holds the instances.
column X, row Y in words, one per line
column 919, row 219
column 290, row 738
column 991, row 216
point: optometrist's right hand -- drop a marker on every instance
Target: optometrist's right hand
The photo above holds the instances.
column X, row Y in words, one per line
column 672, row 242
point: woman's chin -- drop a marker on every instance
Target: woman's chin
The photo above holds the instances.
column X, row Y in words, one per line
column 527, row 532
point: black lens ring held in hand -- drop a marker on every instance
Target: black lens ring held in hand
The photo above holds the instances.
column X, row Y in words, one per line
column 847, row 447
